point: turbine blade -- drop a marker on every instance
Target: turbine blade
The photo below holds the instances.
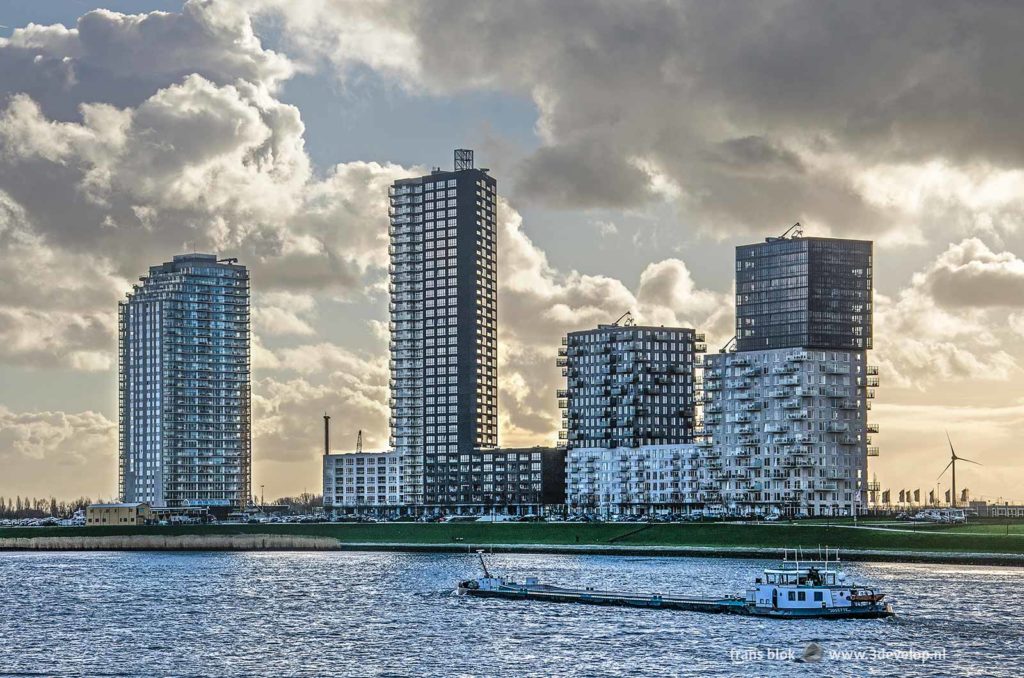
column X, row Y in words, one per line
column 969, row 461
column 945, row 469
column 950, row 445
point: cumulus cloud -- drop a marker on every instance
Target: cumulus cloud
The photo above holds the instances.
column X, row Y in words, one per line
column 971, row 275
column 283, row 313
column 948, row 323
column 762, row 113
column 286, row 414
column 123, row 59
column 128, row 138
column 538, row 304
column 54, row 453
column 194, row 151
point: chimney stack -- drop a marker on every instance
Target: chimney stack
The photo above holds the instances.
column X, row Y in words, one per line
column 327, row 435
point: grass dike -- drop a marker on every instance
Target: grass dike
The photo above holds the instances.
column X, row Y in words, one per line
column 895, row 543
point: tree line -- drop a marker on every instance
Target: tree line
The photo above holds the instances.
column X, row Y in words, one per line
column 36, row 507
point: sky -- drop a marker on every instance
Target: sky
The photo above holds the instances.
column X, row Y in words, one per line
column 634, row 144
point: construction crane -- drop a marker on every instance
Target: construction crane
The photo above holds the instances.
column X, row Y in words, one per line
column 794, row 231
column 625, row 320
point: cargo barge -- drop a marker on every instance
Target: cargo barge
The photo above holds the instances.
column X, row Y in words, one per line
column 799, row 589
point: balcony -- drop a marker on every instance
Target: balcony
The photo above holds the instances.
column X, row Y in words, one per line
column 873, row 452
column 872, row 428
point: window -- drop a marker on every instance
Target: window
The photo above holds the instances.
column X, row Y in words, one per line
column 792, row 595
column 818, row 596
column 801, row 595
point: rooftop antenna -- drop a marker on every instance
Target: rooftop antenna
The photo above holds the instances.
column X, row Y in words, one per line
column 625, row 320
column 463, row 159
column 359, row 442
column 952, row 463
column 327, row 435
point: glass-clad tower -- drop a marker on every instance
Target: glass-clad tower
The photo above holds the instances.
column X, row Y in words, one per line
column 184, row 407
column 803, row 292
column 443, row 284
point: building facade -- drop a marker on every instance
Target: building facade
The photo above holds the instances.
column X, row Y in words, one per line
column 642, row 480
column 786, row 414
column 184, row 385
column 362, row 481
column 443, row 323
column 788, row 431
column 132, row 513
column 629, row 386
column 516, row 481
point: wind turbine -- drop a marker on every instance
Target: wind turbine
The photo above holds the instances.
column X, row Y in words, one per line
column 952, row 463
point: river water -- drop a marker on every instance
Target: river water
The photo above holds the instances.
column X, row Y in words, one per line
column 392, row 614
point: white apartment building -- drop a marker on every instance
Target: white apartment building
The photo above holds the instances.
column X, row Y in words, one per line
column 361, row 480
column 787, row 431
column 634, row 480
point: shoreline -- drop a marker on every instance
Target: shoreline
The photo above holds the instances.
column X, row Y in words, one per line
column 280, row 542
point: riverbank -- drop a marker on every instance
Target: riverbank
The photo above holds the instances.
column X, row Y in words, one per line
column 727, row 540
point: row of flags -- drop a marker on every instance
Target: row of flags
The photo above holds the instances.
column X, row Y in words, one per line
column 914, row 496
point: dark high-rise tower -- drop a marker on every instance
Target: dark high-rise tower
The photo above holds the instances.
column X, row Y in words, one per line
column 628, row 386
column 804, row 293
column 444, row 391
column 184, row 385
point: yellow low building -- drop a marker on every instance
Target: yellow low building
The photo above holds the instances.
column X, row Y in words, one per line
column 118, row 514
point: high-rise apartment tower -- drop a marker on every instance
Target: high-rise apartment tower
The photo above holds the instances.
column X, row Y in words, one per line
column 184, row 404
column 443, row 284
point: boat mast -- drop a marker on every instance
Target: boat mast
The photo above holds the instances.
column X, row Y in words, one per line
column 480, row 553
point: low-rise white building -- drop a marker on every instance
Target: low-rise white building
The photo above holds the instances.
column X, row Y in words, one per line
column 361, row 480
column 635, row 480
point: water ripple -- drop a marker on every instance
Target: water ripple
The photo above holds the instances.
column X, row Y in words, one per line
column 392, row 614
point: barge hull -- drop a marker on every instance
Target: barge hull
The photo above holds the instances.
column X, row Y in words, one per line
column 721, row 606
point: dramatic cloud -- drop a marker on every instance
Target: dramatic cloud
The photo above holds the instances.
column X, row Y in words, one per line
column 539, row 304
column 763, row 113
column 57, row 453
column 283, row 313
column 286, row 412
column 123, row 59
column 947, row 324
column 128, row 138
column 971, row 275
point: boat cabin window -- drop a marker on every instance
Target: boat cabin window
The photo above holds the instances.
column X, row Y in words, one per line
column 801, row 595
column 818, row 596
column 792, row 595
